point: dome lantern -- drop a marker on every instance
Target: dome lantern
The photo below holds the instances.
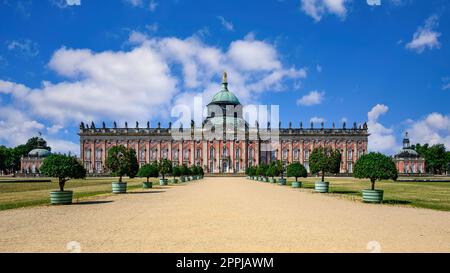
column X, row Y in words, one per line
column 224, row 96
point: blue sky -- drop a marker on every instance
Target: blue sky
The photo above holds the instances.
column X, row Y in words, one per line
column 66, row 61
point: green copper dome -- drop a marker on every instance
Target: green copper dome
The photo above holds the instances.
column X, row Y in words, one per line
column 224, row 96
column 39, row 153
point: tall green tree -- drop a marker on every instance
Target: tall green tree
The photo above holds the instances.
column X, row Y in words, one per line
column 272, row 170
column 176, row 171
column 5, row 159
column 134, row 164
column 148, row 170
column 296, row 170
column 323, row 160
column 165, row 167
column 122, row 161
column 261, row 169
column 184, row 170
column 436, row 160
column 279, row 168
column 375, row 166
column 62, row 167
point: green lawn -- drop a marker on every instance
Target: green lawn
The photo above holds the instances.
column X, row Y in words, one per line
column 432, row 195
column 22, row 194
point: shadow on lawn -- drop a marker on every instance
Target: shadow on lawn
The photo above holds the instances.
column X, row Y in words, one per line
column 92, row 202
column 346, row 192
column 396, row 202
column 144, row 192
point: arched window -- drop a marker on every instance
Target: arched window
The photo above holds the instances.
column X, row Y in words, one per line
column 164, row 153
column 285, row 153
column 142, row 154
column 98, row 154
column 153, row 153
column 211, row 153
column 199, row 151
column 238, row 153
column 87, row 154
column 295, row 154
column 225, row 151
column 350, row 155
column 274, row 155
column 306, row 155
column 186, row 154
column 175, row 154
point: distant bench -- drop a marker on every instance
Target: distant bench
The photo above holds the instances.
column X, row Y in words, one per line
column 423, row 180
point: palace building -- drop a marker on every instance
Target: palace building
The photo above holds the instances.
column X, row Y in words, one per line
column 31, row 163
column 408, row 161
column 223, row 143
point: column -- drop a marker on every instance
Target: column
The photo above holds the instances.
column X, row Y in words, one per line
column 158, row 153
column 300, row 156
column 218, row 157
column 205, row 160
column 231, row 163
column 192, row 153
column 244, row 156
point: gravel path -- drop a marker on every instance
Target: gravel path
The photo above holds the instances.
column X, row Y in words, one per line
column 224, row 215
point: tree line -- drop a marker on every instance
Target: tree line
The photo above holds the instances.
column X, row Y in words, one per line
column 437, row 158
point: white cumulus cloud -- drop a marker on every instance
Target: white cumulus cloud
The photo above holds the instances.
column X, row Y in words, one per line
column 318, row 8
column 433, row 129
column 226, row 24
column 143, row 83
column 381, row 138
column 313, row 98
column 425, row 37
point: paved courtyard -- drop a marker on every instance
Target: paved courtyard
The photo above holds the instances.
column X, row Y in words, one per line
column 224, row 215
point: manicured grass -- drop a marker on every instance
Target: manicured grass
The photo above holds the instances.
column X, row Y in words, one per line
column 23, row 194
column 432, row 195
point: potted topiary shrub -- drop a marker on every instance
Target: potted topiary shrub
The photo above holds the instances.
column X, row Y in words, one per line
column 375, row 166
column 147, row 171
column 296, row 170
column 165, row 167
column 272, row 171
column 253, row 172
column 183, row 172
column 261, row 171
column 175, row 172
column 279, row 170
column 249, row 172
column 201, row 172
column 121, row 161
column 194, row 172
column 189, row 174
column 322, row 161
column 64, row 168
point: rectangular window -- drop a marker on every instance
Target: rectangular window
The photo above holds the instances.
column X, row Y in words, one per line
column 350, row 155
column 350, row 167
column 98, row 167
